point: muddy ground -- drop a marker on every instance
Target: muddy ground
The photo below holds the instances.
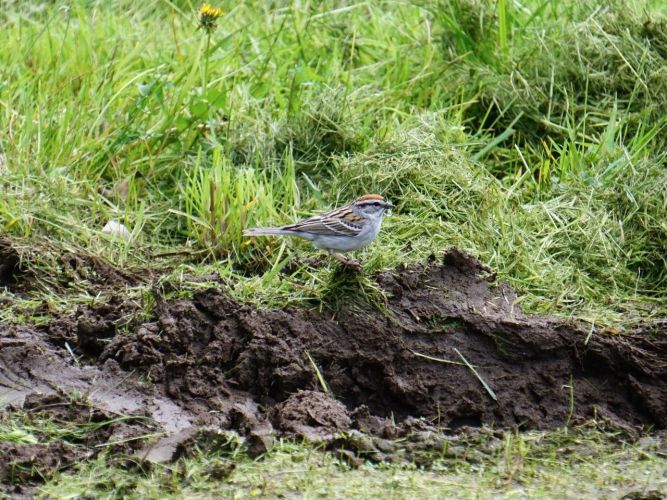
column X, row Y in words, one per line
column 448, row 351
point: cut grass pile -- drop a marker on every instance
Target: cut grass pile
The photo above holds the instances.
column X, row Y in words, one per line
column 557, row 70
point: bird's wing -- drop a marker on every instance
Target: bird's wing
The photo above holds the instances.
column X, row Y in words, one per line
column 341, row 222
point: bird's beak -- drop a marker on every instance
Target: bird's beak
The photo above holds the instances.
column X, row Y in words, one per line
column 388, row 205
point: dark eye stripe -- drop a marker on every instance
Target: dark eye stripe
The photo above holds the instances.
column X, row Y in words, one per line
column 373, row 204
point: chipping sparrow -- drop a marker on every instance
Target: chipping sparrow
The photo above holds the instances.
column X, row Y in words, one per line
column 344, row 229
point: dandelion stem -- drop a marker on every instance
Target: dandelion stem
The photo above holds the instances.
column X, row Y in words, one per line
column 206, row 56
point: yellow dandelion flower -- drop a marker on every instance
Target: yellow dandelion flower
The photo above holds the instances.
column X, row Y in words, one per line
column 208, row 16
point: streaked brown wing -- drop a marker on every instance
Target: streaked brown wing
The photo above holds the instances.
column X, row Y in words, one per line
column 341, row 222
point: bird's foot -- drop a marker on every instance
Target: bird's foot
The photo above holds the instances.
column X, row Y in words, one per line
column 350, row 263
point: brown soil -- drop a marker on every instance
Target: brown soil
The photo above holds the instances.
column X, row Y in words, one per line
column 211, row 363
column 10, row 261
column 22, row 463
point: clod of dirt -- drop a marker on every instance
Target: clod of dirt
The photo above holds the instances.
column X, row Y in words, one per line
column 311, row 415
column 88, row 330
column 246, row 418
column 21, row 463
column 165, row 450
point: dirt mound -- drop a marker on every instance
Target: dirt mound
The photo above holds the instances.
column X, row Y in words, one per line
column 450, row 350
column 89, row 330
column 411, row 361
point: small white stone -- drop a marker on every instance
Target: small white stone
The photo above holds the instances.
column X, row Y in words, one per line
column 117, row 230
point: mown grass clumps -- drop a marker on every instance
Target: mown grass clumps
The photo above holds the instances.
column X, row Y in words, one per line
column 596, row 235
column 556, row 69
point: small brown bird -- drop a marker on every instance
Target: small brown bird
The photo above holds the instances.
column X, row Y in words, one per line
column 342, row 230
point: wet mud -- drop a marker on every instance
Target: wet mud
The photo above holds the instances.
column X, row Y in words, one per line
column 448, row 351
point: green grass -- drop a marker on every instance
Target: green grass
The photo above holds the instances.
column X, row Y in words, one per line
column 536, row 465
column 548, row 166
column 576, row 463
column 530, row 134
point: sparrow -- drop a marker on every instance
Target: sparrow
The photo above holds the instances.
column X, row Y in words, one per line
column 342, row 230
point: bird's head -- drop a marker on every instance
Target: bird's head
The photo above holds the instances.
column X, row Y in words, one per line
column 372, row 205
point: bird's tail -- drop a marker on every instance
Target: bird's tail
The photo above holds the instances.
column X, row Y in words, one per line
column 265, row 231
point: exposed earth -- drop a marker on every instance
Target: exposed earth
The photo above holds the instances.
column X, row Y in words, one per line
column 448, row 351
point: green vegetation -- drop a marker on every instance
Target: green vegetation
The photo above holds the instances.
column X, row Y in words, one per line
column 532, row 135
column 583, row 465
column 580, row 463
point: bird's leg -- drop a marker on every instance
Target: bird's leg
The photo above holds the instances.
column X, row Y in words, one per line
column 347, row 262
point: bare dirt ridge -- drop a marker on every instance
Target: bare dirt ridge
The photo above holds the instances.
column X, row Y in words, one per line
column 450, row 351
